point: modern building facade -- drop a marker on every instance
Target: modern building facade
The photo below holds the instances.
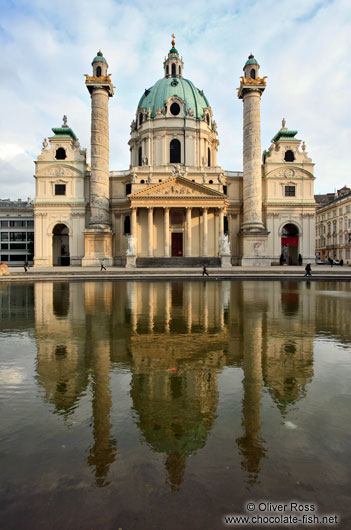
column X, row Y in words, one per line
column 175, row 204
column 333, row 225
column 16, row 232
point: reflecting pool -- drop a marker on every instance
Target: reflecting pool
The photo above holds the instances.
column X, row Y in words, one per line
column 169, row 405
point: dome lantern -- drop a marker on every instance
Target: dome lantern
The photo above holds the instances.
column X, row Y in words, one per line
column 173, row 65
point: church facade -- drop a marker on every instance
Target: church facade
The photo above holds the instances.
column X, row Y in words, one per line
column 174, row 206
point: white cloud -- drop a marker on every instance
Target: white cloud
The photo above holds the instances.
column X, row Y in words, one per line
column 302, row 48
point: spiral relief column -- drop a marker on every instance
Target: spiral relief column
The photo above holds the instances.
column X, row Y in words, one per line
column 98, row 237
column 253, row 232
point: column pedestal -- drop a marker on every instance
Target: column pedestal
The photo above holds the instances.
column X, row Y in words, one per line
column 253, row 249
column 97, row 246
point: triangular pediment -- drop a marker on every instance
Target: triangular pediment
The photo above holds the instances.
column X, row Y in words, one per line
column 177, row 187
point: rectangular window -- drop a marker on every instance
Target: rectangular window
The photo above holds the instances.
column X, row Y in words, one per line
column 30, row 236
column 17, row 236
column 329, row 215
column 17, row 246
column 4, row 223
column 4, row 257
column 289, row 191
column 19, row 257
column 4, row 246
column 4, row 236
column 60, row 189
column 340, row 211
column 30, row 224
column 348, row 208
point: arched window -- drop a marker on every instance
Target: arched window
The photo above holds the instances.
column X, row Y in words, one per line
column 253, row 74
column 173, row 70
column 140, row 118
column 208, row 157
column 140, row 156
column 98, row 71
column 226, row 226
column 180, row 70
column 60, row 154
column 174, row 151
column 167, row 70
column 208, row 119
column 289, row 156
column 128, row 189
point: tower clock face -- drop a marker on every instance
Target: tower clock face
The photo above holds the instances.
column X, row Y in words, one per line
column 289, row 173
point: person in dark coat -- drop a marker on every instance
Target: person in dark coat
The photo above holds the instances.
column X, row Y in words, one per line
column 330, row 261
column 103, row 268
column 204, row 270
column 308, row 270
column 341, row 262
column 25, row 266
column 300, row 260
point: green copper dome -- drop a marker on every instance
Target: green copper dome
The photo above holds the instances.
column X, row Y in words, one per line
column 156, row 96
column 99, row 58
column 251, row 60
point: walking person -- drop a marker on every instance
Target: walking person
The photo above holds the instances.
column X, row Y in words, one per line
column 204, row 270
column 308, row 270
column 25, row 266
column 330, row 261
column 103, row 268
column 300, row 260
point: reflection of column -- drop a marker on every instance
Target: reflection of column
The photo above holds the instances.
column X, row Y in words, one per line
column 151, row 307
column 166, row 231
column 150, row 227
column 132, row 304
column 189, row 316
column 204, row 231
column 133, row 222
column 221, row 307
column 167, row 306
column 250, row 444
column 188, row 232
column 103, row 453
column 205, row 306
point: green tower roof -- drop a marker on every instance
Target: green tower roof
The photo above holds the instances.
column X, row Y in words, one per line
column 99, row 58
column 284, row 133
column 64, row 131
column 251, row 60
column 156, row 96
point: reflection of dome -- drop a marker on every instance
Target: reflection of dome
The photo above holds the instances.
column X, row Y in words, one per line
column 156, row 96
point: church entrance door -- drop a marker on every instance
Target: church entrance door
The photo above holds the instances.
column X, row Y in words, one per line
column 177, row 244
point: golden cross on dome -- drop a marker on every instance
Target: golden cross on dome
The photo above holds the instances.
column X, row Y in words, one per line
column 173, row 41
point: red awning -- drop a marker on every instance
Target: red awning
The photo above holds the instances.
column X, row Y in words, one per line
column 290, row 241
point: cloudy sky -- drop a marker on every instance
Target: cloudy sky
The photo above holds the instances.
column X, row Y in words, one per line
column 302, row 46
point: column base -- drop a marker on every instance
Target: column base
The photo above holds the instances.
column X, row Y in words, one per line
column 226, row 262
column 97, row 246
column 253, row 247
column 131, row 262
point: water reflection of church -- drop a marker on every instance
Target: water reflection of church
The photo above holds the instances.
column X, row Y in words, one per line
column 174, row 338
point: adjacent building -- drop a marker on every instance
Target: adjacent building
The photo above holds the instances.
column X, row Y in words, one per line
column 16, row 232
column 333, row 225
column 174, row 205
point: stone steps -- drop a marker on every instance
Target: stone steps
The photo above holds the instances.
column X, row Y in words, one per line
column 177, row 262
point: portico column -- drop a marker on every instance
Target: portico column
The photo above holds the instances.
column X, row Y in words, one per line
column 166, row 231
column 204, row 231
column 221, row 223
column 150, row 227
column 133, row 222
column 188, row 233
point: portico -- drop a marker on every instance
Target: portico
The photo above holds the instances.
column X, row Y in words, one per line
column 177, row 218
